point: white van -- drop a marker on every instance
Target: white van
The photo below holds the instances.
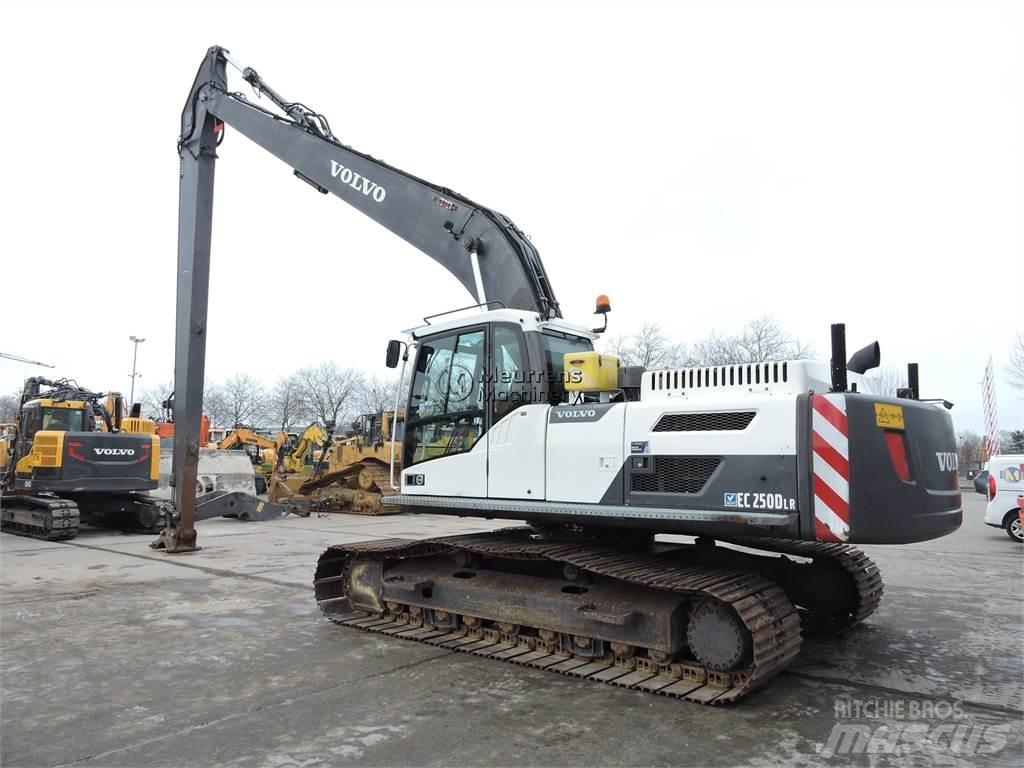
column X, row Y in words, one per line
column 1005, row 484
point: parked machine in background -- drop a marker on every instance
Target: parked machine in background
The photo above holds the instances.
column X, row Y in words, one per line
column 511, row 413
column 262, row 451
column 354, row 476
column 267, row 448
column 296, row 456
column 1005, row 483
column 298, row 460
column 74, row 457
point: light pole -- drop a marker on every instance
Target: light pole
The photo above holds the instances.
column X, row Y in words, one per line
column 135, row 357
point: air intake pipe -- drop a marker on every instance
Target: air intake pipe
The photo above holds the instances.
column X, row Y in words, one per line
column 865, row 359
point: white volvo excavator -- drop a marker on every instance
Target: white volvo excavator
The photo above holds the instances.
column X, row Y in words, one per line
column 774, row 469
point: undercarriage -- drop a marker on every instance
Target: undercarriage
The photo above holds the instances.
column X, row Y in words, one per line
column 39, row 517
column 701, row 621
column 57, row 518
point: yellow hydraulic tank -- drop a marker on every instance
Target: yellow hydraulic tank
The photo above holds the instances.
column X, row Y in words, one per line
column 591, row 372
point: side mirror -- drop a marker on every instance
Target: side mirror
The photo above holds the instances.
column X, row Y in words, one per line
column 865, row 359
column 394, row 353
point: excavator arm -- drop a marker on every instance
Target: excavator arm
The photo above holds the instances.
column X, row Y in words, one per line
column 314, row 435
column 480, row 247
column 244, row 436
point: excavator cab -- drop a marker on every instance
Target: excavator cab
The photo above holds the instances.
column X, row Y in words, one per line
column 470, row 374
column 373, row 429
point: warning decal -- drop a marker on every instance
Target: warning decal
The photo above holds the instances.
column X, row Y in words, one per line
column 889, row 416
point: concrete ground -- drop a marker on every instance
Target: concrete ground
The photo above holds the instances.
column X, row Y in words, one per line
column 114, row 654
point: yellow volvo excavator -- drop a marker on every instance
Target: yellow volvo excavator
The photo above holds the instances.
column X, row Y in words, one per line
column 74, row 456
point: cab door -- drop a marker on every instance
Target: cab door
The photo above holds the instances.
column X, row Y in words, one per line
column 445, row 447
column 516, row 439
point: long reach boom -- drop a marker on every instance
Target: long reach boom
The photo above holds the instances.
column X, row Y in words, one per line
column 482, row 248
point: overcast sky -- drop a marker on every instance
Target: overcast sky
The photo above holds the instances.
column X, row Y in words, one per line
column 702, row 164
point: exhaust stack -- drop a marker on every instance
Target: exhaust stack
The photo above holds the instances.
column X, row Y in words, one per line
column 838, row 364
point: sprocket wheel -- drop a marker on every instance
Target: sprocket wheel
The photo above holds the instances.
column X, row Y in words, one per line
column 717, row 637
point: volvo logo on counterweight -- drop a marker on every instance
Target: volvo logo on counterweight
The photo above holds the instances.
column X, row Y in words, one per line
column 114, row 451
column 359, row 183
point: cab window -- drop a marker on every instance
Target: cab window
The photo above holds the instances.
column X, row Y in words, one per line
column 62, row 419
column 510, row 375
column 446, row 405
column 555, row 346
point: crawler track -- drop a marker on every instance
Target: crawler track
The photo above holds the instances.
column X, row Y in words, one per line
column 763, row 609
column 39, row 517
column 863, row 571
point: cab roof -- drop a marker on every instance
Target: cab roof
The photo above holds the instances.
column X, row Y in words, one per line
column 528, row 321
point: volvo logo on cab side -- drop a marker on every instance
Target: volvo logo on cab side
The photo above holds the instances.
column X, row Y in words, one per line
column 359, row 183
column 575, row 414
column 589, row 413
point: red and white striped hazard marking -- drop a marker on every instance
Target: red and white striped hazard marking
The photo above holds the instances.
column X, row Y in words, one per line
column 830, row 444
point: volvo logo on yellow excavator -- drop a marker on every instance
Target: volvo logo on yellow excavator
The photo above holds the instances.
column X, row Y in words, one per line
column 114, row 451
column 359, row 183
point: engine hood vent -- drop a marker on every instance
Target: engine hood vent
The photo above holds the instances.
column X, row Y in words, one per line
column 704, row 422
column 788, row 377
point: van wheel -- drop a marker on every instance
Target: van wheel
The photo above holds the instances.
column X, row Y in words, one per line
column 1012, row 525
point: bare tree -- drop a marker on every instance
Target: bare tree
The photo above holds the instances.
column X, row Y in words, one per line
column 762, row 340
column 1014, row 441
column 239, row 400
column 215, row 406
column 153, row 398
column 1015, row 365
column 715, row 349
column 326, row 389
column 285, row 403
column 376, row 394
column 969, row 449
column 884, row 381
column 1011, row 441
column 9, row 407
column 650, row 348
